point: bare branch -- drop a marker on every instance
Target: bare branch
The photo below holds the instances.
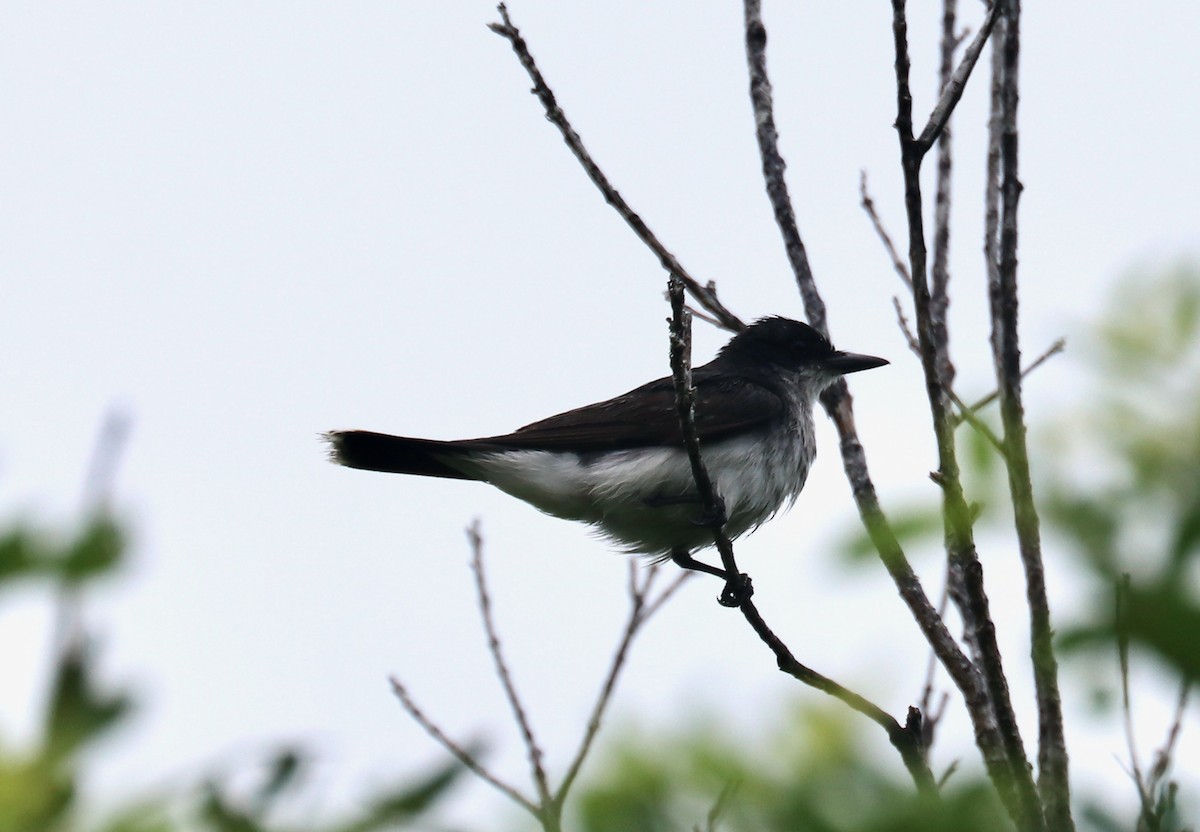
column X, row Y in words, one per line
column 705, row 295
column 641, row 608
column 839, row 405
column 773, row 166
column 461, row 754
column 953, row 90
column 868, row 205
column 510, row 690
column 1051, row 351
column 1122, row 632
column 737, row 585
column 1002, row 290
column 906, row 739
column 1002, row 749
column 939, row 292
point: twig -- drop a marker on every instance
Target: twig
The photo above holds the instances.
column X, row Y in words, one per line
column 641, row 608
column 510, row 690
column 868, row 205
column 1149, row 787
column 737, row 585
column 939, row 272
column 773, row 166
column 1007, row 762
column 705, row 295
column 965, row 413
column 839, row 405
column 460, row 753
column 1052, row 750
column 952, row 91
column 1162, row 759
column 1121, row 603
column 1053, row 350
column 68, row 631
column 718, row 807
column 906, row 739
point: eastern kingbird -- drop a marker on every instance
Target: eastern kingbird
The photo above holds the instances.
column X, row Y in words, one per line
column 620, row 465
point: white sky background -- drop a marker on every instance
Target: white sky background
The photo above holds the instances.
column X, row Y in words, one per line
column 248, row 223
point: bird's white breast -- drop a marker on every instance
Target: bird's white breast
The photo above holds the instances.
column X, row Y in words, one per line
column 645, row 498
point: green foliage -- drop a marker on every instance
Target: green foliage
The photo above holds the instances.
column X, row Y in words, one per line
column 40, row 786
column 1123, row 489
column 812, row 775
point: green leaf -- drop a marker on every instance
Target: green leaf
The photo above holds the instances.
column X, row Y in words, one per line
column 96, row 551
column 78, row 712
column 409, row 800
column 19, row 555
column 910, row 525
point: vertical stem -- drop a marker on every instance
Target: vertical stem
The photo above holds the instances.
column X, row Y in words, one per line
column 1052, row 754
column 1009, row 772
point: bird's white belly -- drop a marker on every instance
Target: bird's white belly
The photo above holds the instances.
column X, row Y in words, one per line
column 645, row 499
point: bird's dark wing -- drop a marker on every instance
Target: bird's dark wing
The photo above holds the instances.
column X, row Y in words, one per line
column 647, row 417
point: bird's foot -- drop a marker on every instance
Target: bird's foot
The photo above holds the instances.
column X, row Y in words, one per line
column 738, row 588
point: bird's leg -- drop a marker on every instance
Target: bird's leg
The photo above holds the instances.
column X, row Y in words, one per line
column 715, row 517
column 738, row 588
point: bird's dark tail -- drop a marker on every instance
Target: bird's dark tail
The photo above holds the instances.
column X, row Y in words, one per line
column 392, row 454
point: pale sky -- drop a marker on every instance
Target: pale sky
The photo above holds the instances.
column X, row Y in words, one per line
column 250, row 223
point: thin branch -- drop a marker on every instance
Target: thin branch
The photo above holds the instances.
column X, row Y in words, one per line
column 641, row 608
column 510, row 690
column 839, row 405
column 1053, row 779
column 1051, row 351
column 461, row 754
column 737, row 585
column 965, row 412
column 773, row 166
column 939, row 292
column 953, row 90
column 705, row 294
column 1122, row 632
column 868, row 205
column 906, row 739
column 1162, row 759
column 1007, row 762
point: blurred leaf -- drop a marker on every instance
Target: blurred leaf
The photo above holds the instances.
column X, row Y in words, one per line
column 285, row 770
column 813, row 774
column 219, row 814
column 142, row 817
column 95, row 552
column 77, row 711
column 1090, row 523
column 409, row 800
column 1187, row 537
column 1168, row 622
column 910, row 525
column 34, row 796
column 19, row 554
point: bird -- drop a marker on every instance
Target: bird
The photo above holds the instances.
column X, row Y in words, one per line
column 620, row 465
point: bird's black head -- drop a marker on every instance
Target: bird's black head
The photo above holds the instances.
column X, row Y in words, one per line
column 794, row 346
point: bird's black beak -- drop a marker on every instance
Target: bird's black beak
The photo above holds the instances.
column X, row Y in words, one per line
column 852, row 362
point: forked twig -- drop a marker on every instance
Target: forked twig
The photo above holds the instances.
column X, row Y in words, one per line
column 641, row 608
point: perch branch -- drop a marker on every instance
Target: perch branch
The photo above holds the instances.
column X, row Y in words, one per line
column 907, row 739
